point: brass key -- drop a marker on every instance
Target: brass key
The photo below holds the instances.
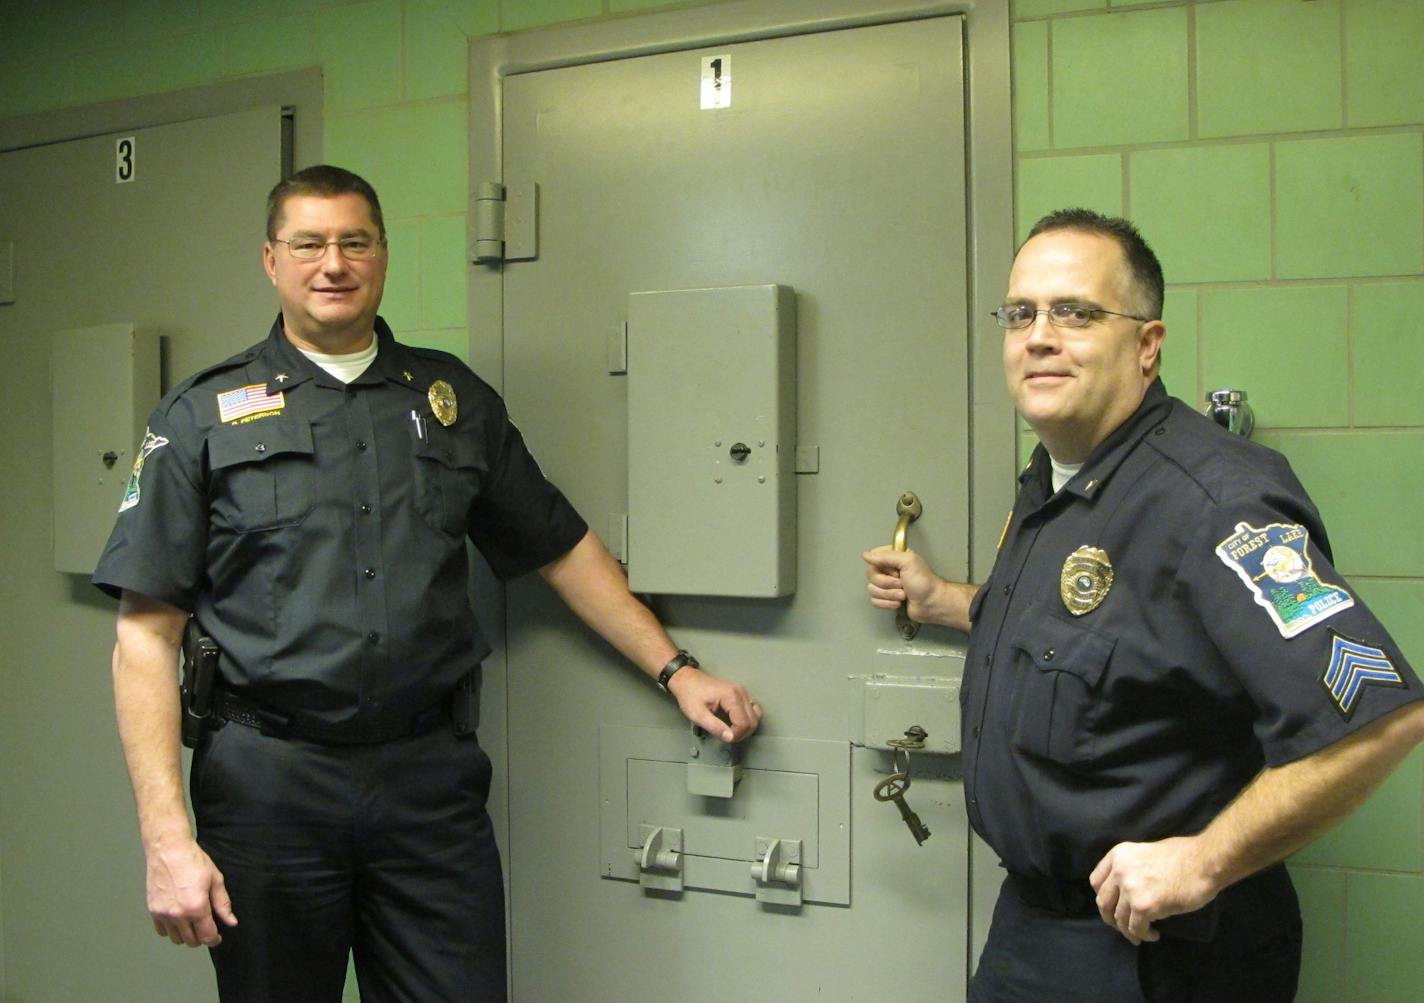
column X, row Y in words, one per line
column 893, row 788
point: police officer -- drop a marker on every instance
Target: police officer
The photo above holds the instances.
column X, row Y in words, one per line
column 1168, row 687
column 308, row 501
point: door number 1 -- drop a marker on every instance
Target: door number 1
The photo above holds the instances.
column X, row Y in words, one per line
column 124, row 160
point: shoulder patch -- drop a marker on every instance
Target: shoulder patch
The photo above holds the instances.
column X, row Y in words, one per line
column 151, row 443
column 1353, row 666
column 1274, row 563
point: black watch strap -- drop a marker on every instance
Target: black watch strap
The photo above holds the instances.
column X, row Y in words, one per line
column 678, row 661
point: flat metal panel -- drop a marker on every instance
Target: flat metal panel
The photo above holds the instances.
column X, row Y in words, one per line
column 790, row 789
column 103, row 384
column 765, row 801
column 711, row 441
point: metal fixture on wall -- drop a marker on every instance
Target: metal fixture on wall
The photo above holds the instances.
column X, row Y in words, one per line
column 1228, row 408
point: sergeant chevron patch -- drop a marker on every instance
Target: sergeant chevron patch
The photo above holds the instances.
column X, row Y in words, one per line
column 1353, row 666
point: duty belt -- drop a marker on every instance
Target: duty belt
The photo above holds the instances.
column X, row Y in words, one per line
column 1064, row 897
column 231, row 707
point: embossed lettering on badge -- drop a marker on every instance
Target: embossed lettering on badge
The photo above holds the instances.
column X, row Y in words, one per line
column 1087, row 576
column 443, row 403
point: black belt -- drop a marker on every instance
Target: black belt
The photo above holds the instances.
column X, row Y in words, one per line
column 231, row 707
column 1064, row 897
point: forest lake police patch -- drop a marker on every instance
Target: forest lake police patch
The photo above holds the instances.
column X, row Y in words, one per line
column 151, row 443
column 1353, row 666
column 1275, row 565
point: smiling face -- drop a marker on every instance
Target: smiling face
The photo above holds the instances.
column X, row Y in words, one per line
column 328, row 304
column 1074, row 386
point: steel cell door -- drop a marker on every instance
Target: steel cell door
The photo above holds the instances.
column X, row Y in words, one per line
column 838, row 170
column 160, row 227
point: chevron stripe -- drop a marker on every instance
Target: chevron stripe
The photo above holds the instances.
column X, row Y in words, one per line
column 1353, row 666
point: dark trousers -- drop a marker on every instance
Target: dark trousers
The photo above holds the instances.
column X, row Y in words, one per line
column 1038, row 955
column 384, row 851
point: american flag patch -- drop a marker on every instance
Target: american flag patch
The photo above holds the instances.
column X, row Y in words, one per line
column 234, row 405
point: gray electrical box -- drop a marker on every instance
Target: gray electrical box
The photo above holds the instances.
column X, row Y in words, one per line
column 711, row 441
column 104, row 380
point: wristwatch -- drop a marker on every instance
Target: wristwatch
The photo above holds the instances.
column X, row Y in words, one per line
column 669, row 670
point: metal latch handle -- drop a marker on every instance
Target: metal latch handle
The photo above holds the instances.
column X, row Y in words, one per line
column 908, row 508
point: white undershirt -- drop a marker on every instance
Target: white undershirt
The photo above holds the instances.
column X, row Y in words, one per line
column 1063, row 473
column 345, row 367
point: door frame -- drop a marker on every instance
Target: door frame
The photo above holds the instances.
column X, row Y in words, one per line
column 989, row 215
column 298, row 90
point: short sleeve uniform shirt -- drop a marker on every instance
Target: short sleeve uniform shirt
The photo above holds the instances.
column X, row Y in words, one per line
column 1151, row 637
column 317, row 528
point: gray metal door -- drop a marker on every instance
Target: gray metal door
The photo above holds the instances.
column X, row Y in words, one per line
column 838, row 169
column 174, row 250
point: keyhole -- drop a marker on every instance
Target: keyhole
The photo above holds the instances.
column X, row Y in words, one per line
column 109, row 459
column 740, row 451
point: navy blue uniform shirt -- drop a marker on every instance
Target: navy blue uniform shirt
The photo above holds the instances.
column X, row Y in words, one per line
column 1224, row 642
column 318, row 528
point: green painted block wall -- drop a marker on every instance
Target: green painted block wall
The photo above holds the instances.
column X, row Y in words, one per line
column 1281, row 182
column 1278, row 169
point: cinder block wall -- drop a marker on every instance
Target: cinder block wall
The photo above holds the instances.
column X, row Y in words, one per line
column 1273, row 151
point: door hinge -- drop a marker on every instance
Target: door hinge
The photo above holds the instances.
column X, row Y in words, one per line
column 506, row 223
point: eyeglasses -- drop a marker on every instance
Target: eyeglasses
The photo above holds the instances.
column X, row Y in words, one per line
column 1017, row 316
column 351, row 248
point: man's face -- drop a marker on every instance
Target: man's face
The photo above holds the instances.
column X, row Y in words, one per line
column 328, row 304
column 1076, row 385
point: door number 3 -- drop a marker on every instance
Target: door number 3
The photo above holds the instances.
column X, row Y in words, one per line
column 124, row 160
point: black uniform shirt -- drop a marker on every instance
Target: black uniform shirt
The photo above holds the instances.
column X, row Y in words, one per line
column 318, row 528
column 1224, row 642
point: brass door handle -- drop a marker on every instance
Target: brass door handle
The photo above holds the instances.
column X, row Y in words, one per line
column 908, row 508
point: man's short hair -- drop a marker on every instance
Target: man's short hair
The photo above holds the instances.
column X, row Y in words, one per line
column 1145, row 271
column 323, row 181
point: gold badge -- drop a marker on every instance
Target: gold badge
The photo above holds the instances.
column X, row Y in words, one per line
column 1087, row 576
column 443, row 403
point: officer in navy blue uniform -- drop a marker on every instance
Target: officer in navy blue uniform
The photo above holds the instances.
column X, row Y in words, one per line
column 308, row 501
column 1168, row 687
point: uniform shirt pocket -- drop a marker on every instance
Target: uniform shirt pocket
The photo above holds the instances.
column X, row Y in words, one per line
column 447, row 478
column 1060, row 673
column 263, row 474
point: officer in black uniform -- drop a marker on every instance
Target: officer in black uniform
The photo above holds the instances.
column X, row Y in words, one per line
column 308, row 501
column 1168, row 687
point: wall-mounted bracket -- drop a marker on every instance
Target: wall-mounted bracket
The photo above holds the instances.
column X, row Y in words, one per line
column 660, row 859
column 777, row 871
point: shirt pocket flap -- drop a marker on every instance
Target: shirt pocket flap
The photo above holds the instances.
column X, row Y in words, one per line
column 1054, row 645
column 454, row 452
column 229, row 446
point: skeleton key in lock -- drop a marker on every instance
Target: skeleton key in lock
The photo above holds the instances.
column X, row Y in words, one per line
column 893, row 788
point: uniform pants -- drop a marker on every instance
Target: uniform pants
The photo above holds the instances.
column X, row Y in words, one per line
column 384, row 852
column 1036, row 956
